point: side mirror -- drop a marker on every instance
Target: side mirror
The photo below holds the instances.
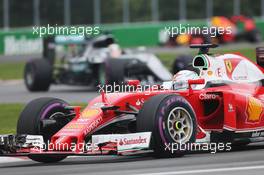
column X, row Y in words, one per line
column 197, row 81
column 260, row 56
column 192, row 82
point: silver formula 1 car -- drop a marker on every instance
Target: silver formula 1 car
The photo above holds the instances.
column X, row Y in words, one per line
column 90, row 61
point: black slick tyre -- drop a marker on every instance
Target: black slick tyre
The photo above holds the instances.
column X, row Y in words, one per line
column 158, row 116
column 30, row 119
column 38, row 75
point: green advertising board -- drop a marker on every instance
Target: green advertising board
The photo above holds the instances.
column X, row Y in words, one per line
column 16, row 42
column 23, row 41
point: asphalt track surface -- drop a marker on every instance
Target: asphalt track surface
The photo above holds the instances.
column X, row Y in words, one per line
column 249, row 160
column 16, row 92
column 17, row 58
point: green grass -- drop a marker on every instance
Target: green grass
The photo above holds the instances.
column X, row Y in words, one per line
column 250, row 53
column 168, row 58
column 8, row 117
column 11, row 70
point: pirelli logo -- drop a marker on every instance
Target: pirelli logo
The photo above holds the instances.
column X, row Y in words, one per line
column 254, row 110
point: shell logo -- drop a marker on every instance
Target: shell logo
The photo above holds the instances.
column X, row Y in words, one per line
column 210, row 73
column 75, row 126
column 89, row 113
column 254, row 109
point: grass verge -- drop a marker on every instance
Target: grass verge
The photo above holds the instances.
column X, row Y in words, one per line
column 11, row 70
column 8, row 117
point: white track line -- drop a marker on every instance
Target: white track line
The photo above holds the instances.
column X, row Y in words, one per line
column 10, row 82
column 11, row 159
column 206, row 170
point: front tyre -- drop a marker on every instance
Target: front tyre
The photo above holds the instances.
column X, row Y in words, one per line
column 31, row 117
column 172, row 122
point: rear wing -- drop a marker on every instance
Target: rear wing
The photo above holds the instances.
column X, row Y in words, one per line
column 203, row 48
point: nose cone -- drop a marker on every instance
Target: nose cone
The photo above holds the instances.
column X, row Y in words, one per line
column 62, row 143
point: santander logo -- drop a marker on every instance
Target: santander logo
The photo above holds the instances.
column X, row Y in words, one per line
column 126, row 141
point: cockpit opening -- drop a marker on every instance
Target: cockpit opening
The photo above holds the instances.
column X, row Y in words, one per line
column 200, row 62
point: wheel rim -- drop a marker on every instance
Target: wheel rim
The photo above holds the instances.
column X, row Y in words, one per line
column 102, row 78
column 29, row 77
column 52, row 113
column 180, row 125
column 258, row 37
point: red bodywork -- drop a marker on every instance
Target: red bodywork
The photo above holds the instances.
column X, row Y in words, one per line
column 234, row 107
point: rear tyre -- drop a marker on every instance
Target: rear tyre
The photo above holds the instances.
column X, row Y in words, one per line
column 38, row 75
column 183, row 62
column 30, row 119
column 115, row 70
column 172, row 122
column 254, row 36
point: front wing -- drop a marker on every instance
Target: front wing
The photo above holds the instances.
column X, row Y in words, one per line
column 109, row 144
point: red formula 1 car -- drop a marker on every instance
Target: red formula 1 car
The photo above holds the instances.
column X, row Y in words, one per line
column 242, row 27
column 220, row 102
column 232, row 29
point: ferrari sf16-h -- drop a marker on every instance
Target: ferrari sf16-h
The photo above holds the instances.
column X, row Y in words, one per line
column 221, row 101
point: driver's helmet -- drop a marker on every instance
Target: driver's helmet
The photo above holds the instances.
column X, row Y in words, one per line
column 114, row 50
column 180, row 79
